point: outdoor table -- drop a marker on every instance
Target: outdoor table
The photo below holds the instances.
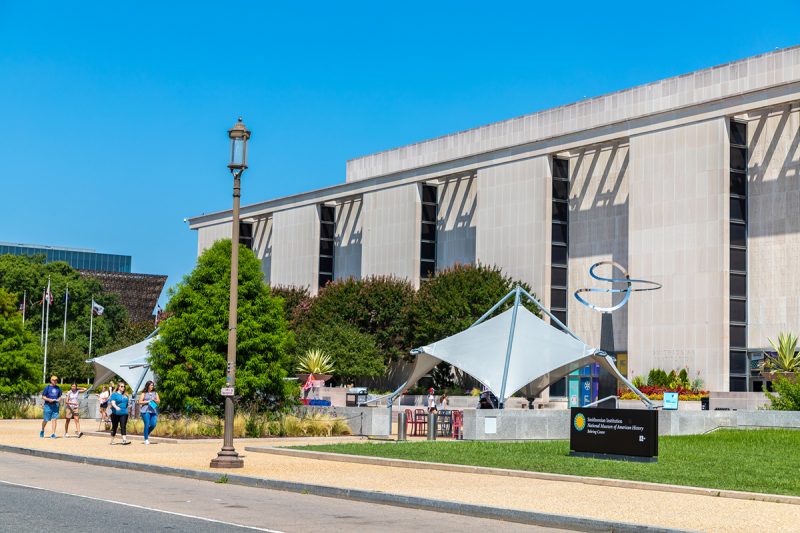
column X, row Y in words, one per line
column 444, row 423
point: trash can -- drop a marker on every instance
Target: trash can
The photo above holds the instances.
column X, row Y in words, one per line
column 704, row 404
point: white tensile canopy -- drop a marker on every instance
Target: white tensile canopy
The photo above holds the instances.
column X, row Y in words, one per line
column 128, row 363
column 512, row 350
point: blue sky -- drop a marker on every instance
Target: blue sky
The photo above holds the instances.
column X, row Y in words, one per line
column 113, row 116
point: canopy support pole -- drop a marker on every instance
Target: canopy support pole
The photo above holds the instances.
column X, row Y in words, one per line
column 494, row 307
column 508, row 347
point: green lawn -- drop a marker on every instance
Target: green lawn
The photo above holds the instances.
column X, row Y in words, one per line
column 766, row 460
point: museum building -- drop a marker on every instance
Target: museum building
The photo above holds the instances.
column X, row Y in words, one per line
column 692, row 182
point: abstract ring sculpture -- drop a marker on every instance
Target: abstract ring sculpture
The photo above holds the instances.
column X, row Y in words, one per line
column 627, row 290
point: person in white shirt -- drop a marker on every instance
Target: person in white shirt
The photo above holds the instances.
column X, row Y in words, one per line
column 431, row 401
column 73, row 410
column 103, row 401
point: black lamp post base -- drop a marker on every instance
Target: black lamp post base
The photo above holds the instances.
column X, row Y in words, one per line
column 227, row 459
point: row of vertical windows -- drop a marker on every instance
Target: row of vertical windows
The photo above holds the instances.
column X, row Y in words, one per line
column 559, row 239
column 327, row 233
column 559, row 252
column 246, row 234
column 738, row 257
column 427, row 255
column 75, row 258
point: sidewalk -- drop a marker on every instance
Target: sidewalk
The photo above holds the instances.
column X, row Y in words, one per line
column 664, row 509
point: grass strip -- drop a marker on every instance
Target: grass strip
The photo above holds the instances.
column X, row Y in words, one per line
column 764, row 460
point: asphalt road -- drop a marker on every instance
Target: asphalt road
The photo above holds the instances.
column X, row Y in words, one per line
column 40, row 494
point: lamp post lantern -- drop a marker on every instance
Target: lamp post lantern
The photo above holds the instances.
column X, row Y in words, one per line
column 227, row 457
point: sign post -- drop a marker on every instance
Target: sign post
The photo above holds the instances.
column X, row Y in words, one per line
column 624, row 434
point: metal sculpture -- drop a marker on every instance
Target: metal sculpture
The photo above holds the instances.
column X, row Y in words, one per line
column 627, row 290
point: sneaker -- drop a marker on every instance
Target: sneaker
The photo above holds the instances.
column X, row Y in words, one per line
column 126, row 442
column 41, row 434
column 80, row 434
column 147, row 442
column 53, row 436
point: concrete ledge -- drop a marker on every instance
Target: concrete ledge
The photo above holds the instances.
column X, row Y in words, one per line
column 443, row 506
column 468, row 469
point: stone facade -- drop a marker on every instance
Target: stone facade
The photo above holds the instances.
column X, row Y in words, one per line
column 649, row 189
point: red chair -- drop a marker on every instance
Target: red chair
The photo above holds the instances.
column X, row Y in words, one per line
column 420, row 422
column 410, row 422
column 458, row 424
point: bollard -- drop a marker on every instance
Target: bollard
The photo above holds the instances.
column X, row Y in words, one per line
column 431, row 426
column 401, row 425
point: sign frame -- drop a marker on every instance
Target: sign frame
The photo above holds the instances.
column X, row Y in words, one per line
column 622, row 434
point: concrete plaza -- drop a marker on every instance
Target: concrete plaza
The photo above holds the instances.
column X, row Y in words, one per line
column 611, row 503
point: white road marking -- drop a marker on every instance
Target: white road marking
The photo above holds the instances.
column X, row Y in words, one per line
column 143, row 507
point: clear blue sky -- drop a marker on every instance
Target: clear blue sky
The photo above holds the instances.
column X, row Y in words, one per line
column 113, row 116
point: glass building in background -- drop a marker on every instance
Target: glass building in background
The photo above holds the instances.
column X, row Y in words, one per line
column 77, row 258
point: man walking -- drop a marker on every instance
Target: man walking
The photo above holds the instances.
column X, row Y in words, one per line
column 52, row 399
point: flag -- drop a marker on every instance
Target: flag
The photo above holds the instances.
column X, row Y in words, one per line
column 309, row 382
column 97, row 309
column 48, row 295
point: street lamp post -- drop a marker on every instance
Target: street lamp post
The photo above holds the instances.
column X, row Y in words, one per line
column 227, row 456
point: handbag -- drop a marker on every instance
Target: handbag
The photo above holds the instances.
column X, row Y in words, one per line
column 153, row 405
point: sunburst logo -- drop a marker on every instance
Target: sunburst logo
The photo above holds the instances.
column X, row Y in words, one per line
column 579, row 422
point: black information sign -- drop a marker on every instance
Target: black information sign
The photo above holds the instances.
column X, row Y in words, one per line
column 614, row 433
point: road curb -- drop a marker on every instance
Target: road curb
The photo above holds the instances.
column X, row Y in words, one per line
column 467, row 469
column 451, row 507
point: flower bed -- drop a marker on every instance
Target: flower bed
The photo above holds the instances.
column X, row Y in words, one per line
column 657, row 393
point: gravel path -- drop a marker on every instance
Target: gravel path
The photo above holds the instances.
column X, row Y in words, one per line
column 705, row 513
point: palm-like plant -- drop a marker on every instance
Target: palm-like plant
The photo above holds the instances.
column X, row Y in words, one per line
column 315, row 362
column 786, row 358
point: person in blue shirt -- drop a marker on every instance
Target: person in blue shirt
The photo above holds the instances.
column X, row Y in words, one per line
column 52, row 401
column 119, row 413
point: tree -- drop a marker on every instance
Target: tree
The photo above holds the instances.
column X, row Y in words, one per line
column 29, row 274
column 68, row 361
column 376, row 306
column 20, row 355
column 354, row 353
column 458, row 296
column 190, row 356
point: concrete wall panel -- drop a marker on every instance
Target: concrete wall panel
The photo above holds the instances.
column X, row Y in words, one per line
column 598, row 231
column 391, row 222
column 295, row 248
column 347, row 254
column 455, row 230
column 678, row 233
column 773, row 254
column 513, row 221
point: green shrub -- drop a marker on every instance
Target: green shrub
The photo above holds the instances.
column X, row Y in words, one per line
column 787, row 397
column 658, row 378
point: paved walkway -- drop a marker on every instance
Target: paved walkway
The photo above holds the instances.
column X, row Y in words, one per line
column 685, row 511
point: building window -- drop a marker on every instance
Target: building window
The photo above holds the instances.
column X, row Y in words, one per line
column 739, row 367
column 246, row 234
column 427, row 249
column 559, row 253
column 327, row 233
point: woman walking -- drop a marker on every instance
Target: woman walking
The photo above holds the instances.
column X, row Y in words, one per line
column 103, row 399
column 149, row 401
column 119, row 413
column 73, row 410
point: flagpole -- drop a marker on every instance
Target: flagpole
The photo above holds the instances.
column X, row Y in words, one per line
column 66, row 305
column 46, row 331
column 91, row 324
column 41, row 338
column 24, row 301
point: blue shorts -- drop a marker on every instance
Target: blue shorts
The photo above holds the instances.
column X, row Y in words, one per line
column 50, row 413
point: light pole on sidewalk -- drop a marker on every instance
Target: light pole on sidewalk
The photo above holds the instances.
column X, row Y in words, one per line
column 227, row 456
